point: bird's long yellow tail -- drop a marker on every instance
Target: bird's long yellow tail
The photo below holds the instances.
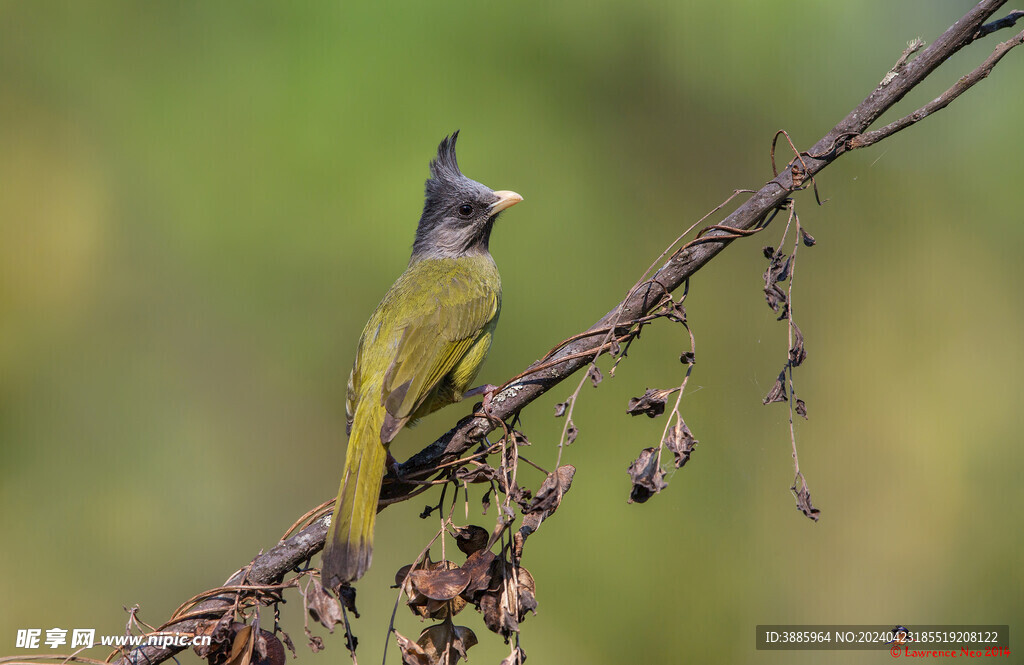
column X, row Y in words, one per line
column 349, row 546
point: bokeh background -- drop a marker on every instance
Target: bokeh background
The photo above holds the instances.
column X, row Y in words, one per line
column 201, row 203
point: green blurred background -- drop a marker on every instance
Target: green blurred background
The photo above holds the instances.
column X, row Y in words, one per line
column 201, row 203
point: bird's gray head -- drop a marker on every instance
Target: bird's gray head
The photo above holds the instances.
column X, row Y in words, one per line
column 459, row 213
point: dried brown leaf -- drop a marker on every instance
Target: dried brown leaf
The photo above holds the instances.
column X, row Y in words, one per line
column 521, row 495
column 520, row 439
column 560, row 409
column 801, row 408
column 594, row 374
column 496, row 618
column 439, row 584
column 517, row 657
column 222, row 638
column 471, row 538
column 323, row 607
column 445, row 609
column 221, row 634
column 511, row 595
column 807, row 237
column 478, row 565
column 269, row 649
column 286, row 638
column 687, row 357
column 803, row 503
column 412, row 653
column 778, row 391
column 527, row 587
column 782, row 272
column 571, row 432
column 647, row 475
column 651, row 403
column 549, row 497
column 403, row 573
column 776, row 297
column 446, row 642
column 679, row 439
column 797, row 354
column 316, row 643
column 480, row 473
column 242, row 646
column 347, row 596
column 433, row 589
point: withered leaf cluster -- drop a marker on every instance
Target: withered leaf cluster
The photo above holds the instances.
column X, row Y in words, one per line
column 646, row 473
column 779, row 391
column 777, row 271
column 501, row 589
column 503, row 592
column 235, row 643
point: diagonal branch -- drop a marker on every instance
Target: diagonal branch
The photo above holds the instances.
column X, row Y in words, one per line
column 943, row 100
column 270, row 568
column 687, row 261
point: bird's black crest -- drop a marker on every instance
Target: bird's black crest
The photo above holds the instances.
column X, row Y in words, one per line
column 442, row 229
column 445, row 167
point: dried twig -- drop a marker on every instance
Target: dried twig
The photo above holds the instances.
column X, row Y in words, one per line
column 943, row 100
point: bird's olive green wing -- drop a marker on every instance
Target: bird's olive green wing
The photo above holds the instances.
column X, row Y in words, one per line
column 429, row 348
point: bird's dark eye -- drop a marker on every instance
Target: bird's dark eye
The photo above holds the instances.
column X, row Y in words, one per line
column 465, row 210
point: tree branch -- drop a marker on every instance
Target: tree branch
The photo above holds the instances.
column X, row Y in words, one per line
column 943, row 100
column 271, row 567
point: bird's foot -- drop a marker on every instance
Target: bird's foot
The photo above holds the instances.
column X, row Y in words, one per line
column 487, row 391
column 394, row 466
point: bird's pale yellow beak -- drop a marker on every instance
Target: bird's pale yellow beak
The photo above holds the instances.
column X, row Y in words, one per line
column 506, row 199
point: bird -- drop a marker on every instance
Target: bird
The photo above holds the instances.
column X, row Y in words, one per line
column 420, row 350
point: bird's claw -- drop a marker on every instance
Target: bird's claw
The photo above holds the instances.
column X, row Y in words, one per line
column 394, row 466
column 487, row 392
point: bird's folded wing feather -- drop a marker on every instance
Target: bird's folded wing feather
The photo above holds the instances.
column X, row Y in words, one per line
column 432, row 346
